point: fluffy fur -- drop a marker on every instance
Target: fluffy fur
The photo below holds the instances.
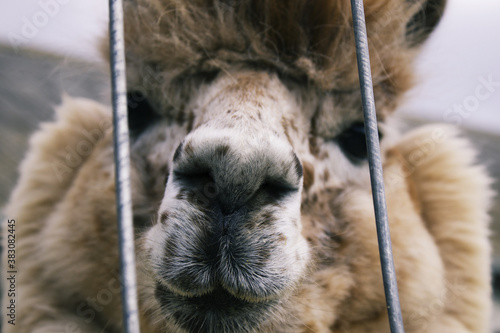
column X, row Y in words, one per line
column 252, row 203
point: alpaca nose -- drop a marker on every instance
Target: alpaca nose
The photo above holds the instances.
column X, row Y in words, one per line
column 230, row 170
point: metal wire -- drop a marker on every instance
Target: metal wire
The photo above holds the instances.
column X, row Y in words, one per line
column 122, row 168
column 376, row 176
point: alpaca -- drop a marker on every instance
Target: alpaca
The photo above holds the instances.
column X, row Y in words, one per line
column 251, row 193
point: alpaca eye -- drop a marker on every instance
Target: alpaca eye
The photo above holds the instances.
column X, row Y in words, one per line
column 352, row 141
column 140, row 113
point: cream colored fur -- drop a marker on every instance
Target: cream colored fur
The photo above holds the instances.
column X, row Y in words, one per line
column 436, row 201
column 299, row 232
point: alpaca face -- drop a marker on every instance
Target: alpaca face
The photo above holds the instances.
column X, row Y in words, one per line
column 245, row 153
column 228, row 246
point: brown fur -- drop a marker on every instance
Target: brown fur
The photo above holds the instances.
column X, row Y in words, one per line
column 307, row 41
column 251, row 98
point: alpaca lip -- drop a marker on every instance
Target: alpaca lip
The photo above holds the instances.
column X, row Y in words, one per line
column 219, row 298
column 212, row 311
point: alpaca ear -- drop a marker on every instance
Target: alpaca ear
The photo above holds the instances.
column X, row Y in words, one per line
column 424, row 21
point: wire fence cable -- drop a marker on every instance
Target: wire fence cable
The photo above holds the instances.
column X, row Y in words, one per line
column 122, row 168
column 376, row 175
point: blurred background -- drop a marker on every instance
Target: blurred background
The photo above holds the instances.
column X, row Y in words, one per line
column 50, row 47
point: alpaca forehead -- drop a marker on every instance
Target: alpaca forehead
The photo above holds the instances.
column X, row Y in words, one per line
column 265, row 96
column 249, row 87
column 259, row 95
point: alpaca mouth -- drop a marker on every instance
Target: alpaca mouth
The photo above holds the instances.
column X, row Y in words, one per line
column 217, row 311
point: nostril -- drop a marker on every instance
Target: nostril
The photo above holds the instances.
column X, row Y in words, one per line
column 277, row 189
column 197, row 187
column 193, row 180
